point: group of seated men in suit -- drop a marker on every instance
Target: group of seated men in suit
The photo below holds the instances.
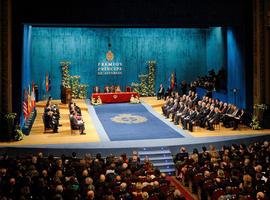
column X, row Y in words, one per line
column 107, row 89
column 189, row 110
column 76, row 119
column 51, row 116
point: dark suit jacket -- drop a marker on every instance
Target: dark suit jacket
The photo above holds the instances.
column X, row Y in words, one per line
column 161, row 91
column 96, row 89
column 215, row 117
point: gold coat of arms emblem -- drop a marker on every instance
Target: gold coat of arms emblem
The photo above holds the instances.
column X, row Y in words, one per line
column 109, row 55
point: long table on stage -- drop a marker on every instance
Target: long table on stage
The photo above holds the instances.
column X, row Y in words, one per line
column 117, row 97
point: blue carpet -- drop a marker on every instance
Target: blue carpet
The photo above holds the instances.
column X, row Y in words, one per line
column 132, row 122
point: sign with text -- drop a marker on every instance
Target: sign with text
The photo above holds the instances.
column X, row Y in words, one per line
column 109, row 67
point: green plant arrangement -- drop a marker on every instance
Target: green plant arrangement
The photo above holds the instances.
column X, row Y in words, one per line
column 255, row 124
column 9, row 119
column 135, row 87
column 18, row 133
column 258, row 116
column 83, row 91
column 65, row 74
column 151, row 78
column 143, row 78
column 75, row 86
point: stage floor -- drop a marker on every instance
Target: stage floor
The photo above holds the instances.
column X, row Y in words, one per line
column 93, row 140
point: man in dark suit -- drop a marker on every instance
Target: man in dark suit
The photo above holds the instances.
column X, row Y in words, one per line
column 172, row 109
column 214, row 119
column 236, row 120
column 77, row 122
column 160, row 93
column 112, row 88
column 230, row 115
column 96, row 89
column 208, row 115
column 192, row 115
column 179, row 115
column 107, row 89
column 167, row 106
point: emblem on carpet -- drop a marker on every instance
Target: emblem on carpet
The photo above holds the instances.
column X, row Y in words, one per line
column 128, row 119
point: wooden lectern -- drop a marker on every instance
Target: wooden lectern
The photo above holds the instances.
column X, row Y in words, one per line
column 66, row 96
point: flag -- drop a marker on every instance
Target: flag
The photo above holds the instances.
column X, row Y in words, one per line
column 33, row 98
column 25, row 106
column 175, row 81
column 47, row 82
column 29, row 108
column 172, row 81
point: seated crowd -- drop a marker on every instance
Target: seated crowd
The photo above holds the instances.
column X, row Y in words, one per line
column 210, row 82
column 71, row 178
column 189, row 110
column 234, row 172
column 51, row 116
column 76, row 120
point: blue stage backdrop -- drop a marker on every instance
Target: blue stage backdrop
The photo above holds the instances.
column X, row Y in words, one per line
column 189, row 52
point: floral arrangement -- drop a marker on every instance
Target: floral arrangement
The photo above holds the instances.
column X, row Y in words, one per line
column 65, row 74
column 83, row 91
column 143, row 78
column 75, row 86
column 257, row 116
column 135, row 87
column 255, row 124
column 151, row 77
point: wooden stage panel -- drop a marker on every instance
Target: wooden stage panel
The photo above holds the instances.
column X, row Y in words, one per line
column 38, row 137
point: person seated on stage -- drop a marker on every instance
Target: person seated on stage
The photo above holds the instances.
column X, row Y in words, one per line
column 214, row 119
column 51, row 118
column 237, row 119
column 77, row 122
column 190, row 117
column 96, row 89
column 230, row 115
column 168, row 93
column 107, row 89
column 172, row 110
column 77, row 109
column 161, row 92
column 112, row 88
column 118, row 89
column 135, row 99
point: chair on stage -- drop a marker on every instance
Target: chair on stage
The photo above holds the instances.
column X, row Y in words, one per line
column 96, row 89
column 128, row 89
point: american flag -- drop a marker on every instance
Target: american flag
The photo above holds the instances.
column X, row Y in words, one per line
column 25, row 104
column 29, row 100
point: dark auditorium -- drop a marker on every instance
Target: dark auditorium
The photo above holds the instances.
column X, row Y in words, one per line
column 135, row 100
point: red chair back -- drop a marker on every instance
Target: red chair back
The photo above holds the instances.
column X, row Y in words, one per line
column 128, row 89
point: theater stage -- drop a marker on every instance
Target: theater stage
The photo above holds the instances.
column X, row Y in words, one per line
column 96, row 140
